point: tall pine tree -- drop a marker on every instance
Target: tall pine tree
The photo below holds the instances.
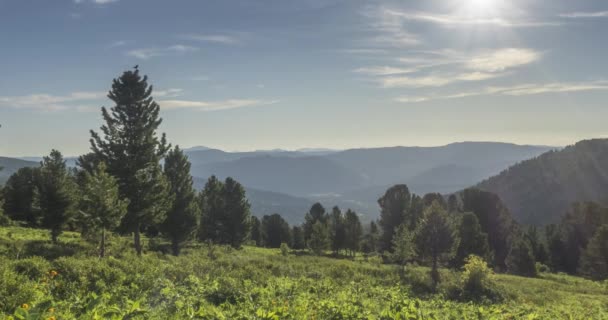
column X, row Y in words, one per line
column 132, row 150
column 182, row 217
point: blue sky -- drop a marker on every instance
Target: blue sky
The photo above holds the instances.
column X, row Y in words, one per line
column 253, row 74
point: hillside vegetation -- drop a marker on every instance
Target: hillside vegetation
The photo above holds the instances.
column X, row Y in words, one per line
column 40, row 280
column 541, row 190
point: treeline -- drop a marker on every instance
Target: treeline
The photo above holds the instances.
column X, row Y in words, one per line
column 121, row 186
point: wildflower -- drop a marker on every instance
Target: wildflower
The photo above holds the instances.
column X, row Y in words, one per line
column 51, row 318
column 53, row 273
column 51, row 310
column 25, row 306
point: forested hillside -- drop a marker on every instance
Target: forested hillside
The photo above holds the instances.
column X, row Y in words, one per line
column 539, row 191
column 11, row 165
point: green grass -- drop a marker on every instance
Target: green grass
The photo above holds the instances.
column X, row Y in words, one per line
column 253, row 283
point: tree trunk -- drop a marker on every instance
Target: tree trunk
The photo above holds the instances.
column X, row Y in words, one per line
column 137, row 240
column 175, row 247
column 435, row 273
column 102, row 245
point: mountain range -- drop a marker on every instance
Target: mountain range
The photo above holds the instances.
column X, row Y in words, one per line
column 289, row 182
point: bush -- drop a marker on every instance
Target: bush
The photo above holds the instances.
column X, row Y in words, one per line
column 15, row 290
column 540, row 267
column 477, row 281
column 34, row 268
column 284, row 249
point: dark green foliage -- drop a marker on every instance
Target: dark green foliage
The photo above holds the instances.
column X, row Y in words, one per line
column 297, row 238
column 403, row 245
column 132, row 151
column 55, row 194
column 594, row 261
column 540, row 190
column 453, row 205
column 337, row 232
column 471, row 240
column 183, row 215
column 495, row 220
column 211, row 203
column 255, row 234
column 520, row 260
column 100, row 204
column 429, row 198
column 275, row 230
column 434, row 237
column 371, row 239
column 316, row 213
column 398, row 206
column 235, row 221
column 353, row 231
column 537, row 244
column 319, row 238
column 18, row 195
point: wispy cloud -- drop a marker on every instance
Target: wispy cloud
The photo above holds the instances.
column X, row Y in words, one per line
column 575, row 15
column 213, row 105
column 518, row 90
column 168, row 93
column 95, row 1
column 440, row 68
column 215, row 38
column 78, row 101
column 115, row 44
column 455, row 19
column 389, row 30
column 147, row 53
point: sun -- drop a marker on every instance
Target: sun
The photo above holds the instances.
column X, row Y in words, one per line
column 481, row 8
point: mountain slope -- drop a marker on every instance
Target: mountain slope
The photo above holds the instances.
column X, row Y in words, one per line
column 540, row 190
column 11, row 165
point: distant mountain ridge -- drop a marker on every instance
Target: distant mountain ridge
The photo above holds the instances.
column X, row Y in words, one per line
column 11, row 165
column 540, row 190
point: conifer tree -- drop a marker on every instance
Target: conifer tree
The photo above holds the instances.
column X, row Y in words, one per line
column 370, row 243
column 471, row 240
column 275, row 230
column 403, row 245
column 520, row 260
column 19, row 196
column 398, row 206
column 211, row 202
column 297, row 238
column 132, row 151
column 55, row 194
column 353, row 231
column 434, row 237
column 255, row 234
column 182, row 217
column 594, row 262
column 316, row 213
column 100, row 204
column 319, row 238
column 336, row 232
column 235, row 222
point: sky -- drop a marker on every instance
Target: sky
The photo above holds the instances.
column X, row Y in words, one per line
column 265, row 74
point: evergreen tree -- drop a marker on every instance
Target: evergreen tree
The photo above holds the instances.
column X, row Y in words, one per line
column 594, row 262
column 132, row 151
column 429, row 198
column 403, row 245
column 471, row 240
column 520, row 260
column 453, row 205
column 555, row 247
column 275, row 230
column 319, row 239
column 100, row 203
column 211, row 202
column 235, row 221
column 255, row 234
column 353, row 231
column 336, row 232
column 370, row 243
column 395, row 207
column 182, row 217
column 297, row 238
column 434, row 237
column 55, row 194
column 19, row 196
column 537, row 245
column 316, row 213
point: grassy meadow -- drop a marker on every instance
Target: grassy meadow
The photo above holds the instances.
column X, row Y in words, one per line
column 39, row 280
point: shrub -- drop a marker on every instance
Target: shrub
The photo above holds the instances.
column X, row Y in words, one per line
column 540, row 267
column 284, row 249
column 34, row 268
column 477, row 281
column 15, row 290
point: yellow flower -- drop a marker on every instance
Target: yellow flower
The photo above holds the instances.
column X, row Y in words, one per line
column 51, row 318
column 25, row 306
column 51, row 310
column 53, row 273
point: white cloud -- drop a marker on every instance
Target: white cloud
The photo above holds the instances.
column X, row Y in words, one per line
column 518, row 90
column 384, row 70
column 390, row 30
column 101, row 2
column 147, row 53
column 118, row 43
column 213, row 105
column 433, row 80
column 47, row 102
column 168, row 93
column 574, row 15
column 216, row 38
column 461, row 20
column 502, row 59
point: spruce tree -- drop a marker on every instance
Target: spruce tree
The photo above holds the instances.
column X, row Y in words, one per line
column 316, row 213
column 19, row 196
column 319, row 238
column 183, row 215
column 520, row 260
column 594, row 262
column 211, row 202
column 336, row 232
column 398, row 206
column 353, row 231
column 132, row 150
column 471, row 240
column 55, row 194
column 370, row 243
column 434, row 237
column 255, row 234
column 275, row 230
column 297, row 238
column 235, row 222
column 100, row 204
